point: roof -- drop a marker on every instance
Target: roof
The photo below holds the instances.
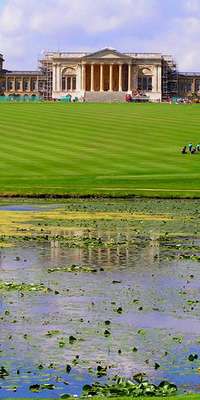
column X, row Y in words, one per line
column 107, row 53
column 27, row 73
column 81, row 54
column 190, row 74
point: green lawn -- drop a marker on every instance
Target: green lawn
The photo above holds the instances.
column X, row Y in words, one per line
column 99, row 149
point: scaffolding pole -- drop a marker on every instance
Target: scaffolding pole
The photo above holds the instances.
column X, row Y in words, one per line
column 46, row 67
column 169, row 78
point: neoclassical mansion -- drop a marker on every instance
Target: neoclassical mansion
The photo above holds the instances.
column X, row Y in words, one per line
column 105, row 75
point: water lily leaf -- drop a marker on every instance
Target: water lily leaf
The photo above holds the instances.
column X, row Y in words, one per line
column 3, row 372
column 139, row 377
column 101, row 371
column 35, row 388
column 65, row 396
column 72, row 339
column 61, row 343
column 156, row 365
column 52, row 333
column 68, row 368
column 178, row 339
column 134, row 349
column 86, row 388
column 193, row 357
column 167, row 388
column 48, row 386
column 141, row 332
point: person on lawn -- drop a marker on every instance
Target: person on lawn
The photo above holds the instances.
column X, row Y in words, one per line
column 190, row 147
column 184, row 150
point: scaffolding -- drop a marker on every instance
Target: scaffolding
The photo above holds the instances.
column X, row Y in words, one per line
column 46, row 68
column 169, row 78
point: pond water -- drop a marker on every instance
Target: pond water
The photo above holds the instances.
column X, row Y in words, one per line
column 143, row 293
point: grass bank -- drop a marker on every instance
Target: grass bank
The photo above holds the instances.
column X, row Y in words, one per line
column 110, row 150
column 183, row 397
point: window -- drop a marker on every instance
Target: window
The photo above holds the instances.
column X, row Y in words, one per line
column 63, row 84
column 26, row 85
column 197, row 86
column 74, row 83
column 18, row 85
column 149, row 84
column 140, row 83
column 41, row 85
column 69, row 83
column 189, row 86
column 34, row 85
column 145, row 83
column 10, row 85
column 2, row 85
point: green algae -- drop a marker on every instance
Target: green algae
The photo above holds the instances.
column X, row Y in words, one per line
column 74, row 268
column 24, row 287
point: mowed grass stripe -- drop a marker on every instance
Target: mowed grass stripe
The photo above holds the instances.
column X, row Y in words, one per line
column 97, row 148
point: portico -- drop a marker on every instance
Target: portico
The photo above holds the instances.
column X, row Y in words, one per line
column 105, row 73
column 104, row 77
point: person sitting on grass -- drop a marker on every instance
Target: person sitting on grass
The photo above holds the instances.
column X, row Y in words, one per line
column 184, row 150
column 198, row 147
column 193, row 151
column 190, row 147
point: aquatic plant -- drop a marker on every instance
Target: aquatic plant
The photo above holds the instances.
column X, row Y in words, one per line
column 125, row 387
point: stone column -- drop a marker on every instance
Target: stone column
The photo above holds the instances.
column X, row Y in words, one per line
column 135, row 78
column 58, row 78
column 120, row 77
column 37, row 84
column 92, row 77
column 54, row 78
column 111, row 78
column 129, row 77
column 79, row 78
column 193, row 85
column 154, row 80
column 84, row 77
column 159, row 78
column 101, row 77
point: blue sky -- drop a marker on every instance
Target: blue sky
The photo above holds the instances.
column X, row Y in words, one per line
column 28, row 27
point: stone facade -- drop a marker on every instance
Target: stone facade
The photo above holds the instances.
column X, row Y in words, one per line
column 21, row 83
column 105, row 71
column 104, row 75
column 189, row 84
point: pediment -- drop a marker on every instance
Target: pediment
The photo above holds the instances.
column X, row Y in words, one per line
column 106, row 53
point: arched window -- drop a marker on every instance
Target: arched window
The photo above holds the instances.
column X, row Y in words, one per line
column 145, row 83
column 69, row 79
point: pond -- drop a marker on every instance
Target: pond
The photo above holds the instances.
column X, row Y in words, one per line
column 102, row 292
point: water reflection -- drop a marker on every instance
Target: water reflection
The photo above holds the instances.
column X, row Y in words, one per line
column 152, row 290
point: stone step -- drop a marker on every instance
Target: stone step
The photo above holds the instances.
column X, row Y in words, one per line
column 105, row 97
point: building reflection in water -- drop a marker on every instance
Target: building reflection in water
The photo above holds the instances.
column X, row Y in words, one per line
column 118, row 248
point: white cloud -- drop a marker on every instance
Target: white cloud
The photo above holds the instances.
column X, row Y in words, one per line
column 192, row 6
column 28, row 26
column 90, row 15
